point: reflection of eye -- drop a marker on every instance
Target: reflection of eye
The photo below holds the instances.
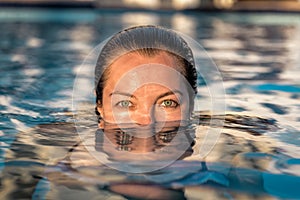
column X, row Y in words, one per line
column 169, row 103
column 167, row 137
column 124, row 104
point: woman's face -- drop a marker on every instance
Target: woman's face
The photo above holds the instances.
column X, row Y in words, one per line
column 143, row 90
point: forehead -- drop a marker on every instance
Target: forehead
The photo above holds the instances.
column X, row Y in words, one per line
column 133, row 70
column 127, row 62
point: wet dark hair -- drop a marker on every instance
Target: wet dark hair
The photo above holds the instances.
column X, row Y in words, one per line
column 147, row 41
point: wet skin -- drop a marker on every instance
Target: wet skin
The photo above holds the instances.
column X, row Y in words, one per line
column 144, row 90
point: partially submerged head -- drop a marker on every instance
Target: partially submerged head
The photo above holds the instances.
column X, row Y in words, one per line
column 145, row 74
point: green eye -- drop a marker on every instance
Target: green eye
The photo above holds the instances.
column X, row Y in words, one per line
column 169, row 103
column 124, row 104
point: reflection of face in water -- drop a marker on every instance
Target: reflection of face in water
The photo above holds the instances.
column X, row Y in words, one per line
column 143, row 90
column 164, row 141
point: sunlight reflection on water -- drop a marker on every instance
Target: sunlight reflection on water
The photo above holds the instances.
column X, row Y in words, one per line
column 257, row 54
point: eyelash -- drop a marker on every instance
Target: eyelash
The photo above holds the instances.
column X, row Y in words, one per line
column 174, row 104
column 119, row 104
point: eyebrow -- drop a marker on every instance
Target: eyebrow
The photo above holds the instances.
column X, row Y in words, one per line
column 123, row 93
column 169, row 93
column 160, row 96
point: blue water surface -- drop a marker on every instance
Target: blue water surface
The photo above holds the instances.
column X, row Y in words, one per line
column 257, row 54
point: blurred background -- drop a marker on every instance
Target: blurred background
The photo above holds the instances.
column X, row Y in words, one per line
column 233, row 5
column 254, row 43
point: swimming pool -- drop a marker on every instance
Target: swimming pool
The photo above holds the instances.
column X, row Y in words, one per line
column 256, row 156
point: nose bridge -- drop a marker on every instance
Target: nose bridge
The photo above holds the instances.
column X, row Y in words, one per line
column 144, row 115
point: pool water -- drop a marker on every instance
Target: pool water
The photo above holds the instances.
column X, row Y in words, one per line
column 257, row 156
